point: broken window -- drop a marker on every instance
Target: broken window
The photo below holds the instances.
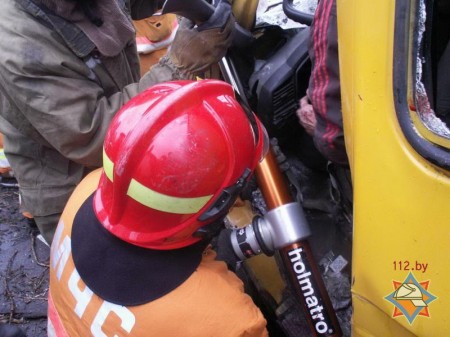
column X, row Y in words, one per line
column 433, row 66
column 422, row 76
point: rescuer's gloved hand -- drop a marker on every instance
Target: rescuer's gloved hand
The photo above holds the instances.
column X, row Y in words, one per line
column 196, row 48
column 224, row 249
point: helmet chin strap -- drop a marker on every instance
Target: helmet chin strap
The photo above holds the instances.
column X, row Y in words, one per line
column 226, row 199
column 220, row 208
column 209, row 231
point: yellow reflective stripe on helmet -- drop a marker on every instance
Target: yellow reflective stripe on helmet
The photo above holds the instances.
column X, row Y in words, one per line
column 156, row 200
column 165, row 203
column 108, row 166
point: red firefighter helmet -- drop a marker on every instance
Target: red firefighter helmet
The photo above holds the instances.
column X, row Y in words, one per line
column 175, row 158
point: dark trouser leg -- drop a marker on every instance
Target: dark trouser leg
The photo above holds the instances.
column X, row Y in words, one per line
column 47, row 226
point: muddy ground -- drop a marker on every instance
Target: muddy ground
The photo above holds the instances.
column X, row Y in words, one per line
column 23, row 269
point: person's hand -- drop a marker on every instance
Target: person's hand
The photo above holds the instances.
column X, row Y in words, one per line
column 306, row 115
column 196, row 48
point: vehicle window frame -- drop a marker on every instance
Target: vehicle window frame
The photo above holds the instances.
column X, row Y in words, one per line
column 430, row 145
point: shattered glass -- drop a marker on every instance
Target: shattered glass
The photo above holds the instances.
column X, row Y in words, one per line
column 271, row 12
column 424, row 110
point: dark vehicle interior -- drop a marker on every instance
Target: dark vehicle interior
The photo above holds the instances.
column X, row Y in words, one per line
column 436, row 52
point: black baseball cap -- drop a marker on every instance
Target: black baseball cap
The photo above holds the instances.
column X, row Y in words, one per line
column 123, row 273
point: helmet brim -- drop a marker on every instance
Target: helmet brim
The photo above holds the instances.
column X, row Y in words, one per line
column 122, row 273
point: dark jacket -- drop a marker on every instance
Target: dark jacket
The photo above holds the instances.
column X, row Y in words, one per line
column 58, row 98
